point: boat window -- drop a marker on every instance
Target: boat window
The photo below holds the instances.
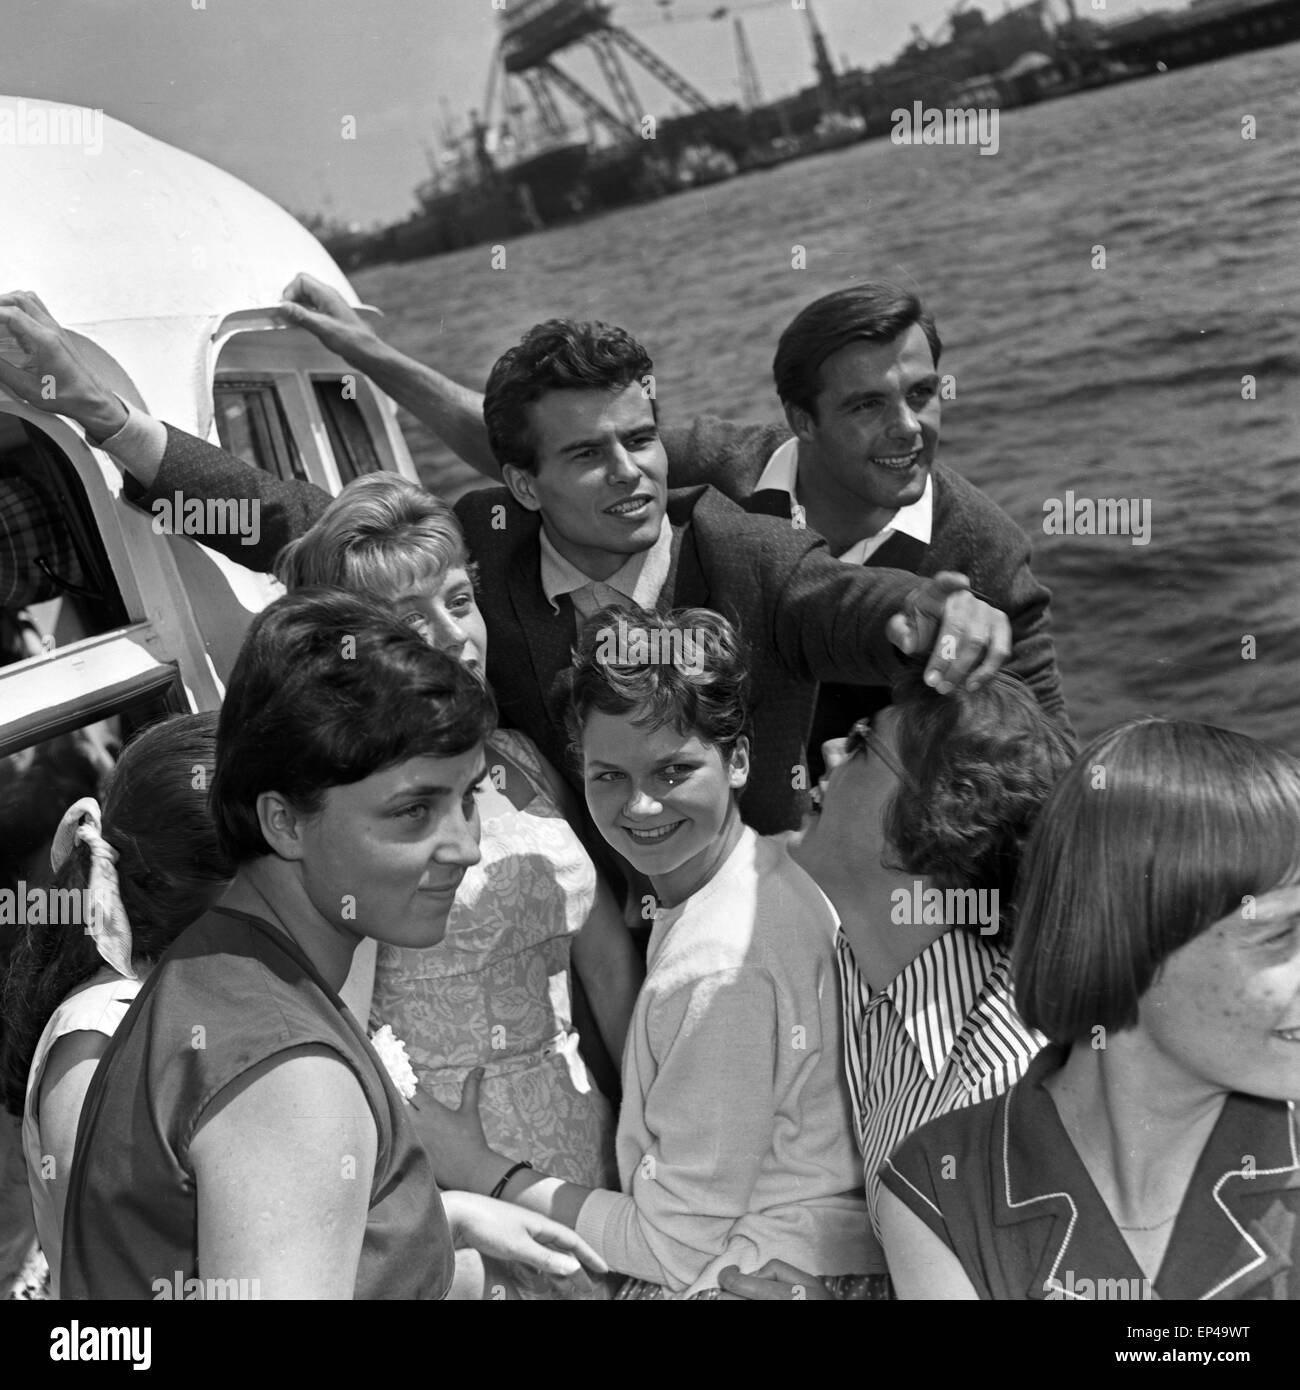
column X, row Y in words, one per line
column 56, row 582
column 349, row 436
column 40, row 780
column 252, row 425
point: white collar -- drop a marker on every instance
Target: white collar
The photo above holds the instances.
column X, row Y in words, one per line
column 640, row 578
column 915, row 520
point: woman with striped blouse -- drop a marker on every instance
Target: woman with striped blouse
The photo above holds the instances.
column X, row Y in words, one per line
column 923, row 816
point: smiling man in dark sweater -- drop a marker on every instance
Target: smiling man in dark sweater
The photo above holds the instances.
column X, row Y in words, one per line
column 854, row 461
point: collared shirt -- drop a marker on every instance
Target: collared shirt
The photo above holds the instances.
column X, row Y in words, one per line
column 944, row 1033
column 916, row 519
column 640, row 579
column 1023, row 1215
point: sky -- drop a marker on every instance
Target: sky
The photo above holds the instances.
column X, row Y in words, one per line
column 265, row 88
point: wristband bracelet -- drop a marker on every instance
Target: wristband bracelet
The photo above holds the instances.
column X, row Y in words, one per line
column 509, row 1173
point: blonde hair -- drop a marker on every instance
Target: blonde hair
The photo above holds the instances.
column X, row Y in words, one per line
column 381, row 533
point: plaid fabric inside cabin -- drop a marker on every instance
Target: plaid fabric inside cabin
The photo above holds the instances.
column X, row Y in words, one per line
column 32, row 529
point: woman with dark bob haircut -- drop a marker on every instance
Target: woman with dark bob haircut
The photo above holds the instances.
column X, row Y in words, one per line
column 1151, row 1149
column 240, row 1128
column 734, row 1144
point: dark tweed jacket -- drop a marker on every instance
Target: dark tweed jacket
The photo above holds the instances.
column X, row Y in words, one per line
column 970, row 534
column 806, row 617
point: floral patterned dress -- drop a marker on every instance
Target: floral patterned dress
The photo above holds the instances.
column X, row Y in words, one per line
column 495, row 993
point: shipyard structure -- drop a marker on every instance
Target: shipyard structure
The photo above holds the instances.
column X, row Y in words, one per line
column 547, row 147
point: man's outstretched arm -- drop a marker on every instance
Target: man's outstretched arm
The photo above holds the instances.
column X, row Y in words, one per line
column 453, row 412
column 158, row 460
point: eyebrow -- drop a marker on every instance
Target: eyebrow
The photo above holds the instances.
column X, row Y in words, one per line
column 432, row 789
column 408, row 595
column 932, row 379
column 648, row 427
column 679, row 757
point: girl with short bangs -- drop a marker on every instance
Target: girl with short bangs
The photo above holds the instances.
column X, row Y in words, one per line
column 734, row 1138
column 1152, row 1150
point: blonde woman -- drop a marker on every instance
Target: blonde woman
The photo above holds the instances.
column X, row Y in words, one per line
column 490, row 1005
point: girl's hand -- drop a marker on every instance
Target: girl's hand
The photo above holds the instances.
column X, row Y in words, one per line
column 775, row 1280
column 454, row 1139
column 507, row 1232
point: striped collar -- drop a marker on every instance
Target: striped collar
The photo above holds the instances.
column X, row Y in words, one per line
column 935, row 992
column 1230, row 1234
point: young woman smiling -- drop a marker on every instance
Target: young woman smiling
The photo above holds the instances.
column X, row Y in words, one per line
column 1153, row 1146
column 734, row 1143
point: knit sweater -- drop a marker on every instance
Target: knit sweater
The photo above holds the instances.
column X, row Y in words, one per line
column 970, row 533
column 735, row 1141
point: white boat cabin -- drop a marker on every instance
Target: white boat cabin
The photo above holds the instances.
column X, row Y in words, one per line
column 168, row 271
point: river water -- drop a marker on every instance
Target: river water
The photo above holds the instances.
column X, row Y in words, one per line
column 1117, row 382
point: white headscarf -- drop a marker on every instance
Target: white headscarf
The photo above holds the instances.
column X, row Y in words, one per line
column 106, row 919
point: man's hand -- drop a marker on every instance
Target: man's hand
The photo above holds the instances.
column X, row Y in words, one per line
column 322, row 310
column 51, row 373
column 507, row 1232
column 775, row 1280
column 968, row 640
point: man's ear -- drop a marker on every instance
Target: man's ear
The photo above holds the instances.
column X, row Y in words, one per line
column 738, row 766
column 800, row 421
column 520, row 484
column 280, row 824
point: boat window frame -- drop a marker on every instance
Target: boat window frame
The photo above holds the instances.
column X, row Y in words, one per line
column 253, row 344
column 371, row 417
column 103, row 668
column 96, row 678
column 100, row 499
column 270, row 381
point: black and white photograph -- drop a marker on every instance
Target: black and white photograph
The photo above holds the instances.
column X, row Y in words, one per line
column 650, row 650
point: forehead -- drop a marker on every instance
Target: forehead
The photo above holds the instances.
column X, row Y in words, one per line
column 616, row 739
column 560, row 418
column 862, row 366
column 411, row 775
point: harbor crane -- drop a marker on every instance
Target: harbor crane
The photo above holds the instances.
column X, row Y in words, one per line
column 534, row 33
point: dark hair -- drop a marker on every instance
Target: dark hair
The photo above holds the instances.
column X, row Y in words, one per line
column 1159, row 829
column 558, row 355
column 981, row 764
column 876, row 312
column 702, row 692
column 328, row 689
column 169, row 865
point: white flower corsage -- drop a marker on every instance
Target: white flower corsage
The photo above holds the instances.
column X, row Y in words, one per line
column 392, row 1053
